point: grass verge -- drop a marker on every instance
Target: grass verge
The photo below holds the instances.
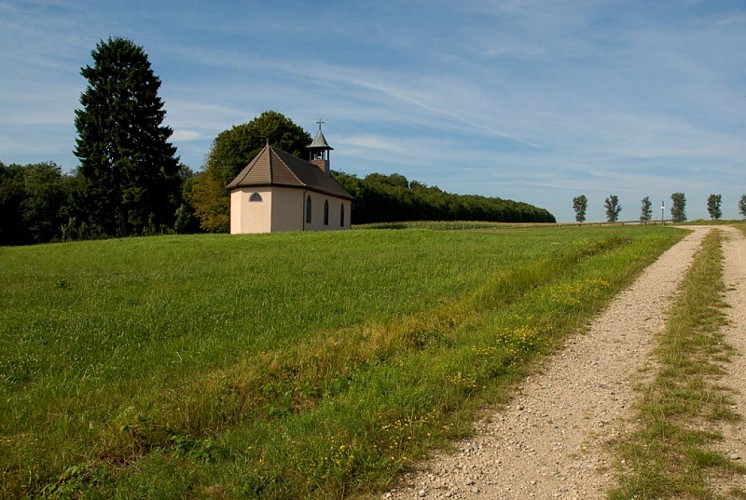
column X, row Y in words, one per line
column 670, row 455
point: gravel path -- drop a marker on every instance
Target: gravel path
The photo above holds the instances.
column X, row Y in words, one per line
column 548, row 443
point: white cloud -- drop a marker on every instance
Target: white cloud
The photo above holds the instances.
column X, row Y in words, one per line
column 185, row 135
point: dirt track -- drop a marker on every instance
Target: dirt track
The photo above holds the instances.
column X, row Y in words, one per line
column 549, row 441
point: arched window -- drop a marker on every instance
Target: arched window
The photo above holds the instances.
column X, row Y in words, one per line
column 255, row 197
column 326, row 212
column 308, row 209
column 342, row 216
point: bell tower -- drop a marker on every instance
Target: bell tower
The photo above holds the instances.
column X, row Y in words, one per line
column 319, row 150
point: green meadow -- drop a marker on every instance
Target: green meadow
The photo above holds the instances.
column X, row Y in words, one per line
column 279, row 366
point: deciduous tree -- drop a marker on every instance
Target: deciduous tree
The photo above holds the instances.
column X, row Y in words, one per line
column 613, row 208
column 126, row 160
column 580, row 206
column 646, row 210
column 12, row 228
column 46, row 206
column 742, row 205
column 211, row 204
column 35, row 202
column 678, row 207
column 713, row 206
column 231, row 151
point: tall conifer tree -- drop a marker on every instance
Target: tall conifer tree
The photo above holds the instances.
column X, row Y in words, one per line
column 129, row 166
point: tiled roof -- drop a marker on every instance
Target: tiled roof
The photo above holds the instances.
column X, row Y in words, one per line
column 275, row 167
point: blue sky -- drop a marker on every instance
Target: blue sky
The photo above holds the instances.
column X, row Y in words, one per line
column 536, row 101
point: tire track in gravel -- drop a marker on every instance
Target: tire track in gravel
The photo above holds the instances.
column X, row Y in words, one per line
column 548, row 442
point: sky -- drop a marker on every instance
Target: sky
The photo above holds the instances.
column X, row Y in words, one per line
column 531, row 100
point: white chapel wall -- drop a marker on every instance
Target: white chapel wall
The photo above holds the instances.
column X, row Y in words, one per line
column 287, row 209
column 284, row 209
column 335, row 204
column 251, row 216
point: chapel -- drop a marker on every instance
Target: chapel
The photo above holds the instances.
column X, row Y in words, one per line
column 277, row 192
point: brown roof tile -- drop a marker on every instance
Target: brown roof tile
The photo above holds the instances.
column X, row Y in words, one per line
column 275, row 167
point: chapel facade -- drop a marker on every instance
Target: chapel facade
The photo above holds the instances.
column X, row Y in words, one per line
column 278, row 192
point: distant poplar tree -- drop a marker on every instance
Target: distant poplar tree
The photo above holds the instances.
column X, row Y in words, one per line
column 742, row 205
column 129, row 167
column 646, row 211
column 678, row 208
column 580, row 206
column 613, row 208
column 713, row 206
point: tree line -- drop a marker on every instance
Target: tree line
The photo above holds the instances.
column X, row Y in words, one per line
column 39, row 203
column 613, row 208
column 393, row 198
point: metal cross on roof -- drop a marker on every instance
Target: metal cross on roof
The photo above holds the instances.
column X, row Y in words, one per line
column 320, row 122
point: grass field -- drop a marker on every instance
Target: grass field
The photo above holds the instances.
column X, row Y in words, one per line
column 290, row 365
